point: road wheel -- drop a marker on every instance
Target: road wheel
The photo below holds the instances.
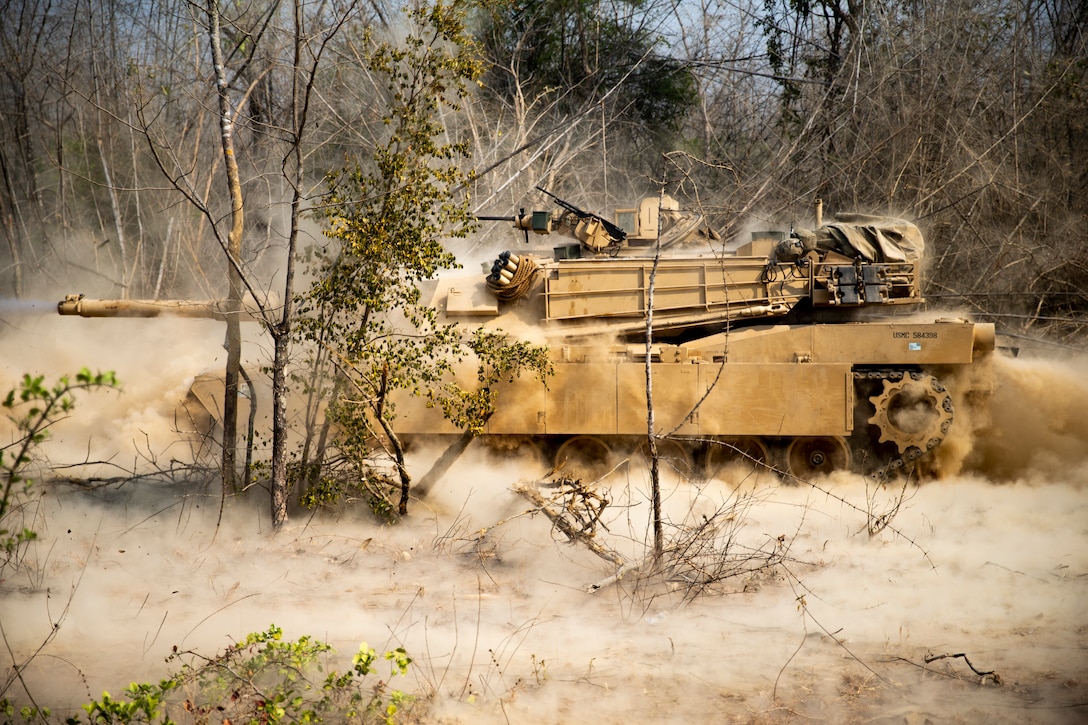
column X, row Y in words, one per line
column 748, row 454
column 586, row 457
column 817, row 456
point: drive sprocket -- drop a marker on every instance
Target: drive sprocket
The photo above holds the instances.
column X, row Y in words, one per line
column 913, row 412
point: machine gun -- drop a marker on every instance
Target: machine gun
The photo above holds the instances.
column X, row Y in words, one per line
column 523, row 221
column 594, row 231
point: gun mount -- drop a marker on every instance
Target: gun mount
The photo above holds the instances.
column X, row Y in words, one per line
column 634, row 228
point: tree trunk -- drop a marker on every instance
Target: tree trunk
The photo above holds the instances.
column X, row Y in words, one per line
column 281, row 332
column 115, row 208
column 651, row 437
column 394, row 441
column 281, row 338
column 9, row 214
column 234, row 251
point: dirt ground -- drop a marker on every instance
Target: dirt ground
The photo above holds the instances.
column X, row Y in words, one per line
column 990, row 563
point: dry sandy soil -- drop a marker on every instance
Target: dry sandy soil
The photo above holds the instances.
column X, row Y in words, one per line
column 991, row 563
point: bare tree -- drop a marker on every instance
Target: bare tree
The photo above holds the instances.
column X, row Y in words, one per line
column 233, row 251
column 26, row 36
column 298, row 42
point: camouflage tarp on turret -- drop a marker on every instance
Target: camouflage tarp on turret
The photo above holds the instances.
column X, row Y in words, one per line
column 873, row 238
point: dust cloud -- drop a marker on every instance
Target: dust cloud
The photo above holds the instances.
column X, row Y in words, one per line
column 1041, row 431
column 991, row 563
column 112, row 432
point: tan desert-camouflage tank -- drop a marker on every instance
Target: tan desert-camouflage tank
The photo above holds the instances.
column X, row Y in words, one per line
column 803, row 351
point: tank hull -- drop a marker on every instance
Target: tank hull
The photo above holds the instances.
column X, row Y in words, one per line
column 777, row 389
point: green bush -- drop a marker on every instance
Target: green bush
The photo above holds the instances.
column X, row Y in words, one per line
column 262, row 680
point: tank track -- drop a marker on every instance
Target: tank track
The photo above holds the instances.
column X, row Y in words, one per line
column 913, row 411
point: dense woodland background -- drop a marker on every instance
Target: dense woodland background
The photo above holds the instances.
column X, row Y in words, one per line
column 968, row 116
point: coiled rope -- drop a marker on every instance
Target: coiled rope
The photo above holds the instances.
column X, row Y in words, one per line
column 511, row 276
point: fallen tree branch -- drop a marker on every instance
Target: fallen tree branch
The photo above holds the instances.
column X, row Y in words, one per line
column 629, row 567
column 561, row 522
column 444, row 463
column 991, row 673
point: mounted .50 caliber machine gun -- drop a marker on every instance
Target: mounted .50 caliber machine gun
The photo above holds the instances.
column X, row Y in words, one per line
column 634, row 228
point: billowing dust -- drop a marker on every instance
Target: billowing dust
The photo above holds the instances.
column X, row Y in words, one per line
column 990, row 563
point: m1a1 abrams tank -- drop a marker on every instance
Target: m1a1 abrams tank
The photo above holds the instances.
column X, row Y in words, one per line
column 807, row 352
column 804, row 352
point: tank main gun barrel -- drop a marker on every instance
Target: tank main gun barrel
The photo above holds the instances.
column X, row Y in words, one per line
column 78, row 305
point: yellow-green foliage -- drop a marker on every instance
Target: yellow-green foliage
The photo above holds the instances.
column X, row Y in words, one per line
column 262, row 679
